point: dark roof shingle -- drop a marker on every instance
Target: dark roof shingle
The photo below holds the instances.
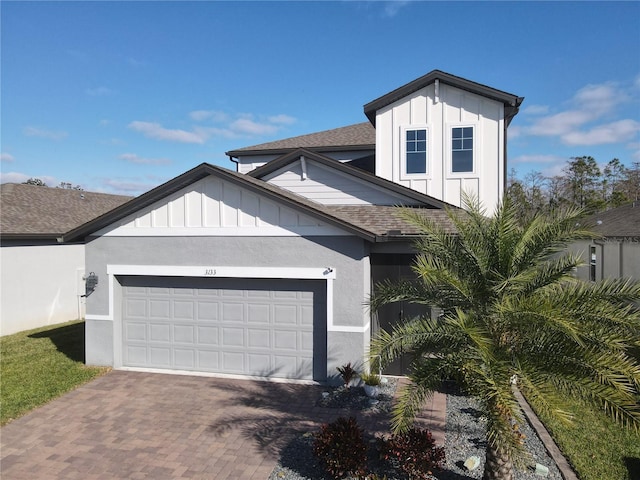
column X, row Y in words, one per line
column 622, row 221
column 361, row 135
column 29, row 210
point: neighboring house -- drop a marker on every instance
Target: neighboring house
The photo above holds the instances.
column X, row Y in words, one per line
column 266, row 271
column 41, row 279
column 617, row 253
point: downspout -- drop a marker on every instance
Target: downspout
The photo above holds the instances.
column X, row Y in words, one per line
column 236, row 162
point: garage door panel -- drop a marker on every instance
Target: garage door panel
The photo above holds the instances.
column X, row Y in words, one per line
column 285, row 340
column 236, row 326
column 183, row 310
column 209, row 361
column 135, row 331
column 285, row 315
column 257, row 338
column 207, row 311
column 259, row 314
column 136, row 355
column 233, row 362
column 208, row 336
column 159, row 308
column 232, row 312
column 184, row 334
column 184, row 359
column 160, row 357
column 135, row 308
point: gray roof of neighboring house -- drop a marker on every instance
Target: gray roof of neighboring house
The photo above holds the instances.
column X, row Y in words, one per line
column 36, row 212
column 368, row 222
column 511, row 102
column 622, row 221
column 361, row 136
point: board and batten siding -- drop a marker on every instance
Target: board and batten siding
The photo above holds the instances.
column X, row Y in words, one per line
column 327, row 186
column 212, row 206
column 453, row 107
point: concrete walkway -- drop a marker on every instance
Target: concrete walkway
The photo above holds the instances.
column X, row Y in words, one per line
column 144, row 425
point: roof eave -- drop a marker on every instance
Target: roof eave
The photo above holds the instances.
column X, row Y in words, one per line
column 201, row 171
column 508, row 99
column 284, row 151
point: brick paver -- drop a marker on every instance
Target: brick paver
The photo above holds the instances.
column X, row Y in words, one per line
column 155, row 426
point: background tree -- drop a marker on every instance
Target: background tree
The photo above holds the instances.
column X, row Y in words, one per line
column 581, row 181
column 512, row 310
column 35, row 181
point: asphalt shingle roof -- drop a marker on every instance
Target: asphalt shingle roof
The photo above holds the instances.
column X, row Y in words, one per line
column 381, row 220
column 622, row 221
column 42, row 211
column 358, row 135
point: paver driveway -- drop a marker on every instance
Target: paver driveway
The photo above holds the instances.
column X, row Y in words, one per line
column 146, row 425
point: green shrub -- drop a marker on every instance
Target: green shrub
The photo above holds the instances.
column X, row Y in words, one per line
column 414, row 452
column 340, row 446
column 372, row 379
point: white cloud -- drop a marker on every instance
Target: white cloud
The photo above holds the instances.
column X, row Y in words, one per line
column 43, row 133
column 536, row 110
column 99, row 91
column 559, row 124
column 282, row 119
column 545, row 159
column 215, row 115
column 620, row 131
column 158, row 132
column 239, row 125
column 133, row 158
column 104, row 122
column 248, row 126
column 392, row 8
column 124, row 186
column 19, row 177
column 6, row 157
column 578, row 125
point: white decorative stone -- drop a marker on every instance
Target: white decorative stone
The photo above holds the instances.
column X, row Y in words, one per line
column 541, row 470
column 472, row 463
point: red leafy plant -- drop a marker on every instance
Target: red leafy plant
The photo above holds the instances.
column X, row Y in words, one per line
column 341, row 447
column 414, row 452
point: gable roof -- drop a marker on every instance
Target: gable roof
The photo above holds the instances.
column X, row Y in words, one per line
column 623, row 221
column 36, row 212
column 361, row 136
column 511, row 102
column 293, row 156
column 350, row 220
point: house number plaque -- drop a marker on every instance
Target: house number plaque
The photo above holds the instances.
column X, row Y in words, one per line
column 209, row 272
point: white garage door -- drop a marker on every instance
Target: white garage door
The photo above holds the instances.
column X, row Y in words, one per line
column 267, row 328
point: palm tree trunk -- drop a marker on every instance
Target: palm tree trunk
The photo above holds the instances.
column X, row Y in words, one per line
column 498, row 465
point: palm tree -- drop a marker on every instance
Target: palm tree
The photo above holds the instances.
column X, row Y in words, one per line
column 512, row 312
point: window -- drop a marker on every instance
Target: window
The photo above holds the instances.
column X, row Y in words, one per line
column 462, row 149
column 416, row 151
column 592, row 264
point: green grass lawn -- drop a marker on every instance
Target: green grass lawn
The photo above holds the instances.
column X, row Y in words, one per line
column 597, row 448
column 39, row 365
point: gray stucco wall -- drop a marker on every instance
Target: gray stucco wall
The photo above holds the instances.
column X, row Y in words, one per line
column 615, row 258
column 347, row 255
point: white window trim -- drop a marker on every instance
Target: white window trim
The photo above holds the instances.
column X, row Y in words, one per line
column 449, row 150
column 403, row 151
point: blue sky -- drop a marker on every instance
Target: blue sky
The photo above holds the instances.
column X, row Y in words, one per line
column 119, row 97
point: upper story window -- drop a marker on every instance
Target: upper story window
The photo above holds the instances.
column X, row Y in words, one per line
column 462, row 149
column 416, row 151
